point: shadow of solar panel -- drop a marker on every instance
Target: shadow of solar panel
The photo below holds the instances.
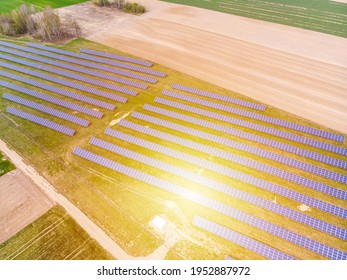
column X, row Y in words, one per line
column 100, row 60
column 118, row 57
column 60, row 91
column 239, row 239
column 220, row 97
column 64, row 82
column 294, row 126
column 250, row 136
column 239, row 122
column 44, row 122
column 53, row 100
column 83, row 63
column 46, row 109
column 326, row 207
column 205, row 181
column 69, row 75
column 213, row 205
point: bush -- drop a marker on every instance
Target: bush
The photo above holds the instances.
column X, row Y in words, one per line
column 101, row 3
column 134, row 8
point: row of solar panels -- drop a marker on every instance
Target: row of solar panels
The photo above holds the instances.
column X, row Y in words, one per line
column 64, row 82
column 100, row 60
column 82, row 63
column 69, row 75
column 224, row 209
column 279, row 122
column 58, row 90
column 246, row 135
column 248, row 124
column 206, row 182
column 240, row 176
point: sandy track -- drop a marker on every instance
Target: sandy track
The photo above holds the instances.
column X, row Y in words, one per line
column 296, row 70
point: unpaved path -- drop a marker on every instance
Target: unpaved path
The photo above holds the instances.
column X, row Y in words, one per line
column 300, row 71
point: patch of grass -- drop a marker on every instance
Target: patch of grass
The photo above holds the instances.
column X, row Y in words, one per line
column 123, row 207
column 9, row 5
column 53, row 236
column 5, row 165
column 321, row 15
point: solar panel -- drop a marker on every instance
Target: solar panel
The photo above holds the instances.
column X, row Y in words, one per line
column 41, row 121
column 47, row 110
column 64, row 82
column 294, row 126
column 220, row 97
column 100, row 60
column 248, row 124
column 69, row 75
column 250, row 136
column 234, row 158
column 240, row 239
column 207, row 182
column 77, row 69
column 326, row 207
column 82, row 63
column 118, row 57
column 58, row 90
column 53, row 100
column 283, row 233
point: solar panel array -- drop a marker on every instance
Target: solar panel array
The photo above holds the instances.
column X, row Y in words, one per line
column 64, row 82
column 220, row 97
column 82, row 63
column 275, row 230
column 234, row 174
column 61, row 91
column 100, row 60
column 250, row 136
column 222, row 170
column 77, row 68
column 38, row 120
column 294, row 126
column 242, row 240
column 118, row 57
column 53, row 100
column 209, row 183
column 251, row 125
column 70, row 75
column 47, row 110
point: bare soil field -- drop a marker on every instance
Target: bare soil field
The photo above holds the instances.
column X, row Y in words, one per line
column 300, row 71
column 21, row 203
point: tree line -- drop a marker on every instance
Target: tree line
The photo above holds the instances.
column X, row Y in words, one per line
column 129, row 7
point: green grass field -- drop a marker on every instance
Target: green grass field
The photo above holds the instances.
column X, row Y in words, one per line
column 124, row 207
column 9, row 5
column 5, row 165
column 320, row 15
column 53, row 236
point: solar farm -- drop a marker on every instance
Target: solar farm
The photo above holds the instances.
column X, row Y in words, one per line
column 127, row 140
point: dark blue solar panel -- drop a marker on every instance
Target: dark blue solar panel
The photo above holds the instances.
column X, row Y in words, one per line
column 100, row 60
column 207, row 182
column 83, row 63
column 64, row 82
column 53, row 100
column 58, row 90
column 240, row 239
column 326, row 207
column 46, row 109
column 220, row 97
column 248, row 124
column 77, row 69
column 118, row 57
column 41, row 121
column 294, row 126
column 250, row 136
column 213, row 205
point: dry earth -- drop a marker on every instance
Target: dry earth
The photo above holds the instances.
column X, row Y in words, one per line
column 21, row 203
column 299, row 71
